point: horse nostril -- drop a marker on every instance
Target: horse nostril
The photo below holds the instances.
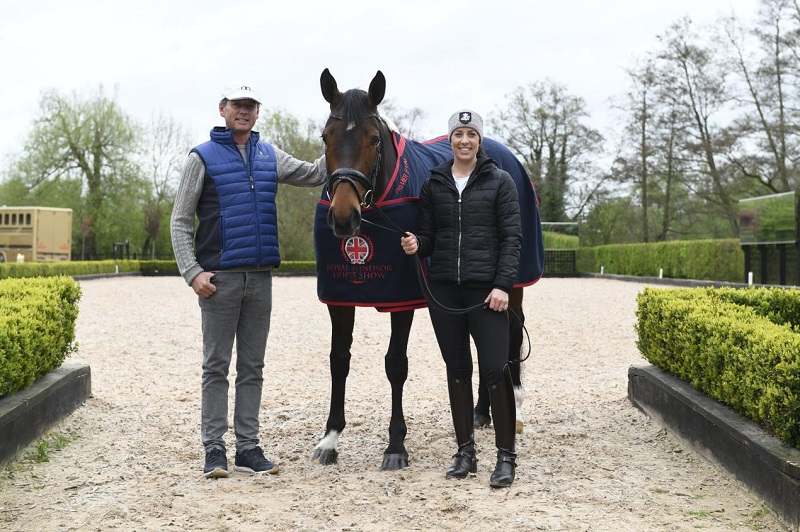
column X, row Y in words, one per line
column 354, row 223
column 345, row 227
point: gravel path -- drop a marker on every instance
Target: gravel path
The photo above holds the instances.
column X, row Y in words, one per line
column 588, row 460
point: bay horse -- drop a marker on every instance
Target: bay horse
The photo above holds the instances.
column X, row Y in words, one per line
column 374, row 178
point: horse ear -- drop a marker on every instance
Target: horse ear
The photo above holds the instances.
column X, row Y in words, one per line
column 377, row 88
column 328, row 85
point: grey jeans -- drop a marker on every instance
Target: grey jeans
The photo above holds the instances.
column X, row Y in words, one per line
column 239, row 309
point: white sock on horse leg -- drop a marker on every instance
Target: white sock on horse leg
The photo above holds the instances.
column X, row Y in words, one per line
column 519, row 395
column 329, row 442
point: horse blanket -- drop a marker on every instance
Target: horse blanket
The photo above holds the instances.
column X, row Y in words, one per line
column 371, row 269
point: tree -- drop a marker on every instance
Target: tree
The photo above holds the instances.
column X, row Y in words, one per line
column 611, row 220
column 649, row 158
column 640, row 104
column 87, row 141
column 696, row 81
column 408, row 121
column 85, row 230
column 717, row 122
column 542, row 124
column 296, row 205
column 166, row 144
column 768, row 132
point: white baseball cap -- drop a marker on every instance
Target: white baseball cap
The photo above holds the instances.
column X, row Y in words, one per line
column 240, row 91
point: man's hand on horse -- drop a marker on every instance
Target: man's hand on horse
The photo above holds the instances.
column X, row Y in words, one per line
column 409, row 243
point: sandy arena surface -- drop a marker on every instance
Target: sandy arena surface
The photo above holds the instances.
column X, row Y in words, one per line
column 588, row 459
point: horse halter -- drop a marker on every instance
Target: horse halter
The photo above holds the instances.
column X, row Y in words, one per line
column 351, row 176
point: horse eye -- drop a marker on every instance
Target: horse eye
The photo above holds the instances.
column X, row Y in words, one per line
column 375, row 140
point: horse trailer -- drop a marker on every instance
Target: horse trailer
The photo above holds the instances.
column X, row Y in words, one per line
column 35, row 234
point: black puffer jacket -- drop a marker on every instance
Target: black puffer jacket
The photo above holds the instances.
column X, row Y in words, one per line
column 475, row 238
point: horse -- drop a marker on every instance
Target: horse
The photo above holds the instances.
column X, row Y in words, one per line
column 375, row 176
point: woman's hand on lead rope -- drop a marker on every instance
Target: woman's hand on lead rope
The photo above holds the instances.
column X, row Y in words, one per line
column 497, row 300
column 409, row 243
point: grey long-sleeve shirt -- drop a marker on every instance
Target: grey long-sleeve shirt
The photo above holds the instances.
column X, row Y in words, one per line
column 290, row 171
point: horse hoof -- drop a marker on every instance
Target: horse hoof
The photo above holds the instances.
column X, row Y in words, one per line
column 394, row 461
column 326, row 456
column 482, row 420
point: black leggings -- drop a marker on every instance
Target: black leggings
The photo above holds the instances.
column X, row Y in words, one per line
column 488, row 328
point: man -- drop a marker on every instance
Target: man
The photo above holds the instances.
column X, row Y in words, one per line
column 230, row 184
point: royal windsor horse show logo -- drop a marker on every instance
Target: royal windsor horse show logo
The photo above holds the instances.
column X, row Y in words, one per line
column 357, row 249
column 358, row 266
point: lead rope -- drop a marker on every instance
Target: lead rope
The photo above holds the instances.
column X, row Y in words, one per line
column 423, row 282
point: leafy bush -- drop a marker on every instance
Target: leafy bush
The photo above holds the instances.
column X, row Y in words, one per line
column 102, row 267
column 559, row 241
column 739, row 346
column 37, row 328
column 715, row 260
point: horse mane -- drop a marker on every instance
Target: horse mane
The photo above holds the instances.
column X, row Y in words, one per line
column 391, row 125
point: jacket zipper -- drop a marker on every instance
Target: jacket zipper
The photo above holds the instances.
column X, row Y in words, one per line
column 449, row 183
column 250, row 150
column 458, row 262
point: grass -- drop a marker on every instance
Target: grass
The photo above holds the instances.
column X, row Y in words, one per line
column 51, row 442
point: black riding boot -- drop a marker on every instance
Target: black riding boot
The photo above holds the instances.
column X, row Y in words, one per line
column 460, row 391
column 501, row 397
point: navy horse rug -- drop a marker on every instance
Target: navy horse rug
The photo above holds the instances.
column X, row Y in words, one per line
column 371, row 269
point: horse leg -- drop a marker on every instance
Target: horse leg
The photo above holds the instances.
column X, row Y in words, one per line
column 482, row 416
column 395, row 456
column 342, row 322
column 515, row 347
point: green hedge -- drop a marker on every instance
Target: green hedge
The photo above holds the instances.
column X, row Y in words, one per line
column 297, row 266
column 739, row 346
column 102, row 267
column 558, row 241
column 715, row 260
column 39, row 306
column 37, row 328
column 47, row 269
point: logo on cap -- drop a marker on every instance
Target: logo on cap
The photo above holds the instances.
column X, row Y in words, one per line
column 465, row 117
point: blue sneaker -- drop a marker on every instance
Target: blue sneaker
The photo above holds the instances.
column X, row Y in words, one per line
column 253, row 461
column 216, row 464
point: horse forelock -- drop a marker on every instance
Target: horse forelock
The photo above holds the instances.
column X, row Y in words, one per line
column 354, row 108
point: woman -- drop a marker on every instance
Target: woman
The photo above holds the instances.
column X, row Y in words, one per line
column 469, row 226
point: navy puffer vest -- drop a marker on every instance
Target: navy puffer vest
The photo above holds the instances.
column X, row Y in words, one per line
column 238, row 217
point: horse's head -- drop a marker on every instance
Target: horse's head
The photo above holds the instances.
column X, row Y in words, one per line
column 353, row 137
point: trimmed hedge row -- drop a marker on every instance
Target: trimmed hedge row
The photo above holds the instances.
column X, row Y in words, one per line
column 37, row 328
column 717, row 260
column 558, row 241
column 145, row 267
column 739, row 346
column 39, row 307
column 48, row 269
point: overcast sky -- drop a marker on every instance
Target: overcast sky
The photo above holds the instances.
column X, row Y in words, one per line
column 174, row 57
